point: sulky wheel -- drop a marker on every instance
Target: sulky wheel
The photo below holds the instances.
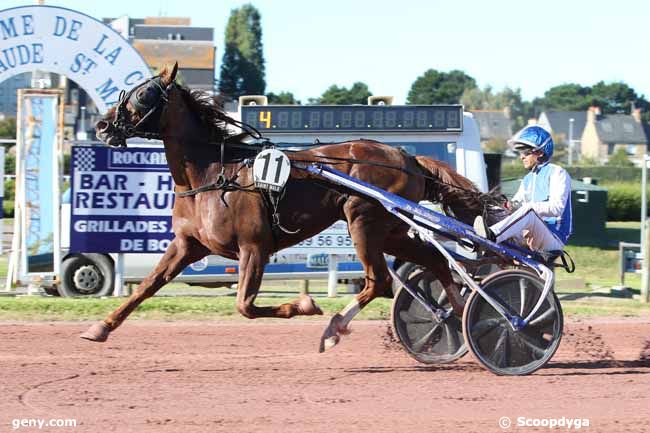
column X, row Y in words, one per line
column 492, row 340
column 423, row 336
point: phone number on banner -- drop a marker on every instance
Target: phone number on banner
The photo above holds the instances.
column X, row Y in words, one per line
column 324, row 243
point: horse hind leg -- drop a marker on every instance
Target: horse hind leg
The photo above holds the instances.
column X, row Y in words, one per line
column 251, row 271
column 400, row 245
column 180, row 253
column 368, row 244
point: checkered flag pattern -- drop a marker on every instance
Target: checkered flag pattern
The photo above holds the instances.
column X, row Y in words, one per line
column 85, row 160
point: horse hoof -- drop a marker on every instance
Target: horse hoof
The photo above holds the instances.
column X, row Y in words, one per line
column 328, row 343
column 307, row 307
column 98, row 332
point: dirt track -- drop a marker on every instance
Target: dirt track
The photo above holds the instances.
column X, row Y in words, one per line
column 267, row 377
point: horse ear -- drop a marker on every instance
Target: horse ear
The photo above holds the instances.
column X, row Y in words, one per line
column 167, row 76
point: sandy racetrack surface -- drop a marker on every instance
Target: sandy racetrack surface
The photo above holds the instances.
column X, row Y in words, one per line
column 267, row 377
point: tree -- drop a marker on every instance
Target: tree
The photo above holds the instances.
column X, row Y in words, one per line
column 486, row 99
column 8, row 127
column 565, row 97
column 616, row 98
column 620, row 159
column 282, row 98
column 335, row 95
column 242, row 67
column 434, row 87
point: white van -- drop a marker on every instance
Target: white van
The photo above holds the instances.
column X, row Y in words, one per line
column 458, row 144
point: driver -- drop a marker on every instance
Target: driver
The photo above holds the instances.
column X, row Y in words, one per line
column 542, row 206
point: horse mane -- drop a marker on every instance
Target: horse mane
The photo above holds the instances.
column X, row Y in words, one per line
column 457, row 194
column 208, row 109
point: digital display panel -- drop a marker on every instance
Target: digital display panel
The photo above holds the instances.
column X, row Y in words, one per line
column 353, row 118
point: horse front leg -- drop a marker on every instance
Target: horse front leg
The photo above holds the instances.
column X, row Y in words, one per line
column 251, row 271
column 180, row 253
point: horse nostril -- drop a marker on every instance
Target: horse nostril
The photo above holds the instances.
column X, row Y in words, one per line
column 102, row 126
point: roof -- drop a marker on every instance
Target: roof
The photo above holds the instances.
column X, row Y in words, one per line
column 510, row 187
column 559, row 122
column 620, row 129
column 493, row 124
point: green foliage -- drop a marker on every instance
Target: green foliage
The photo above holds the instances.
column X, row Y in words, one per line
column 282, row 98
column 9, row 198
column 335, row 95
column 10, row 163
column 565, row 97
column 435, row 87
column 512, row 170
column 623, row 202
column 8, row 128
column 242, row 68
column 607, row 174
column 615, row 97
column 494, row 146
column 603, row 174
column 620, row 159
column 485, row 99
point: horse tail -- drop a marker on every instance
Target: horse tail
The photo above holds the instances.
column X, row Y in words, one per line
column 458, row 194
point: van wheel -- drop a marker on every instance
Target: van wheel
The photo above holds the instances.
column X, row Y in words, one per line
column 87, row 275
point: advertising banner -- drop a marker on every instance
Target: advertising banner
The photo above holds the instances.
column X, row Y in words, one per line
column 121, row 200
column 39, row 143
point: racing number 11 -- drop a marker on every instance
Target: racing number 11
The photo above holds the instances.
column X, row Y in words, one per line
column 265, row 117
column 278, row 169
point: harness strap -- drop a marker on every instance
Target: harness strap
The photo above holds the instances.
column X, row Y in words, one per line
column 222, row 183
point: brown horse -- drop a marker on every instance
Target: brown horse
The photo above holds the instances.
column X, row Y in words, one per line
column 236, row 224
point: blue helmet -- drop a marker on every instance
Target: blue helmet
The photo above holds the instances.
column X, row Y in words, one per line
column 534, row 137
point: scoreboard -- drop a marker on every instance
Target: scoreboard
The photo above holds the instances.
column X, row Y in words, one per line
column 353, row 118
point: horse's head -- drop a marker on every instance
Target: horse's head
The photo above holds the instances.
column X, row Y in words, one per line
column 139, row 111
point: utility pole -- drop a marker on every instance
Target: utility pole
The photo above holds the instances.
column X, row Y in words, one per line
column 571, row 120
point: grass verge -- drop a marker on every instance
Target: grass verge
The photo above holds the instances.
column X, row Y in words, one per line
column 223, row 308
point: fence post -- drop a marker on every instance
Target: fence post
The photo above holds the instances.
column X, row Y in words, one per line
column 645, row 275
column 118, row 289
column 332, row 279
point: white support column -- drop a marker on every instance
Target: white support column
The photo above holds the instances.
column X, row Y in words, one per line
column 332, row 274
column 118, row 290
column 645, row 270
column 644, row 197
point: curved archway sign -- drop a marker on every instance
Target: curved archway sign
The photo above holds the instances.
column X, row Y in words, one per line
column 67, row 42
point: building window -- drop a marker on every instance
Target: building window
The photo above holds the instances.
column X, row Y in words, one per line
column 630, row 149
column 610, row 148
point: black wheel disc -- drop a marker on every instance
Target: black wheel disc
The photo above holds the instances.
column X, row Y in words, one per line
column 424, row 337
column 492, row 340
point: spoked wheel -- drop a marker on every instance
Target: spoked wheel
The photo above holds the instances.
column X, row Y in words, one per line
column 492, row 340
column 424, row 337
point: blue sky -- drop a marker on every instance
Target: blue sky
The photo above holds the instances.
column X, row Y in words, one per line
column 532, row 45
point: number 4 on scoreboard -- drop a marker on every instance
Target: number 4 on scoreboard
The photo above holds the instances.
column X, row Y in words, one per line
column 265, row 118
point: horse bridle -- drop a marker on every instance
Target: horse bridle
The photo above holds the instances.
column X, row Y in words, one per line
column 152, row 99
